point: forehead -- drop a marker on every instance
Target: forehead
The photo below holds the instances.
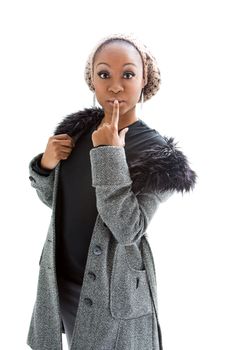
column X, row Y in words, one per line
column 121, row 53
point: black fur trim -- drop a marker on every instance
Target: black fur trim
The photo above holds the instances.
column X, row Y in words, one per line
column 161, row 168
column 79, row 121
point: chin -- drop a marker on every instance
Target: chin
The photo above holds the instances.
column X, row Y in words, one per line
column 122, row 109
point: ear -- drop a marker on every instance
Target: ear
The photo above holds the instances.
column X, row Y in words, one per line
column 144, row 82
column 145, row 76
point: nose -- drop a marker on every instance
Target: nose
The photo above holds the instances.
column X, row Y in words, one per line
column 115, row 87
column 116, row 90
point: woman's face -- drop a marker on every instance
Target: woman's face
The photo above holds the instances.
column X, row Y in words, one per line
column 118, row 74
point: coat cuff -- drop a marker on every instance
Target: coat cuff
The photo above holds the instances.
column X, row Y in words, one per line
column 37, row 179
column 109, row 166
column 37, row 168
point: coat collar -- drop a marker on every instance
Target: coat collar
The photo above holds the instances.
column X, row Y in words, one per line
column 161, row 168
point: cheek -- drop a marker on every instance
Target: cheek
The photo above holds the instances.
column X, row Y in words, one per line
column 136, row 87
column 134, row 94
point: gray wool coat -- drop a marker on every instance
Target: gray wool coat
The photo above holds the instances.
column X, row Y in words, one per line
column 118, row 309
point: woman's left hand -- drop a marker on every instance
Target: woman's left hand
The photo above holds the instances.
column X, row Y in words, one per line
column 107, row 134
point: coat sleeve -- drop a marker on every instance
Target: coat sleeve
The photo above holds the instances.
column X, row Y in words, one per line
column 126, row 214
column 42, row 180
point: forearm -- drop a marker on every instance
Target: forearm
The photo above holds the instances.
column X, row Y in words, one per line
column 43, row 183
column 127, row 215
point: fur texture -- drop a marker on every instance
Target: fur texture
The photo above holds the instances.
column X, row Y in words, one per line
column 161, row 168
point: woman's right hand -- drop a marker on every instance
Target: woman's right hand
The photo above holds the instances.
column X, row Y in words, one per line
column 58, row 147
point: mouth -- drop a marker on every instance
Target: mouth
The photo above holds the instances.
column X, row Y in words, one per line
column 112, row 101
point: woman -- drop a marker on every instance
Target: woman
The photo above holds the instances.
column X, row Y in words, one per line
column 103, row 173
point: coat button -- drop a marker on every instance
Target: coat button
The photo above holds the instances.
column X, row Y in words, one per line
column 32, row 178
column 92, row 275
column 97, row 250
column 88, row 301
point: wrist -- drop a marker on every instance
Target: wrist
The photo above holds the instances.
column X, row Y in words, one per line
column 42, row 166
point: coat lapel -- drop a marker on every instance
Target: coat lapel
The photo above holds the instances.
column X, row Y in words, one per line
column 160, row 168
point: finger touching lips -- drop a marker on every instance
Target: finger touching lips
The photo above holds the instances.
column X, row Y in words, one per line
column 112, row 102
column 115, row 114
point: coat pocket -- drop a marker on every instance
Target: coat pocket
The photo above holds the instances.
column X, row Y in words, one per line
column 129, row 289
column 136, row 333
column 41, row 255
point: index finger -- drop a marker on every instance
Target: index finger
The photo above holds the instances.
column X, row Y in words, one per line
column 115, row 114
column 64, row 137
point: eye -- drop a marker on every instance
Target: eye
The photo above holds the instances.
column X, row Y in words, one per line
column 100, row 73
column 130, row 73
column 126, row 73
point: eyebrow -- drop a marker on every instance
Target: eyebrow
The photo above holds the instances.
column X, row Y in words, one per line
column 126, row 64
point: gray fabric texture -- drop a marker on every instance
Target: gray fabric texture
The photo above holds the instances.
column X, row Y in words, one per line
column 115, row 310
column 118, row 309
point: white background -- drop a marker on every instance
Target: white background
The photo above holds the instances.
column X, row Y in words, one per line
column 44, row 47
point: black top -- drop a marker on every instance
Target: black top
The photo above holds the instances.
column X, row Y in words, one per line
column 76, row 210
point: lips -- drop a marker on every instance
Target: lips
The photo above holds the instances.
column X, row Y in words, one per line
column 112, row 101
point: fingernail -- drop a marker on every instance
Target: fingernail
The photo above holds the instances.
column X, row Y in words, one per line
column 115, row 101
